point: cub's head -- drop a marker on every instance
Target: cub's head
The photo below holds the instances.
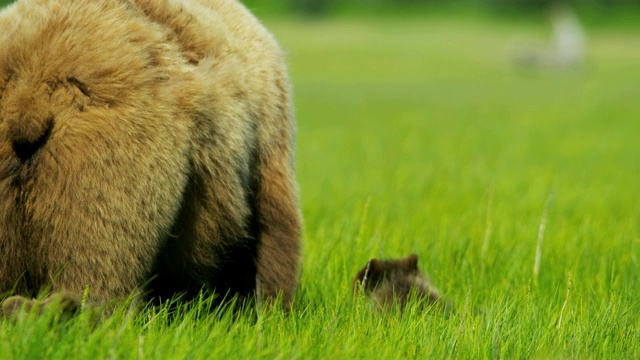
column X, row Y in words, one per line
column 393, row 281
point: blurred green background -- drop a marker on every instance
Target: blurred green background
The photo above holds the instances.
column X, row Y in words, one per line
column 601, row 10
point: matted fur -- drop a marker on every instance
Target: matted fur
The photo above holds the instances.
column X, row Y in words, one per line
column 142, row 138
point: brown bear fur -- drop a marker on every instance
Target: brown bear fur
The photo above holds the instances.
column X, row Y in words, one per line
column 144, row 139
column 392, row 282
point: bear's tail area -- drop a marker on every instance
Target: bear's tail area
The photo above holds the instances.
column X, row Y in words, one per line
column 278, row 210
column 30, row 128
column 280, row 223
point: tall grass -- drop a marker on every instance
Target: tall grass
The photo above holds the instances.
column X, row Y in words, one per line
column 420, row 136
column 439, row 146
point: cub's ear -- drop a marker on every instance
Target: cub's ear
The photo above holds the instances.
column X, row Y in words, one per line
column 374, row 267
column 375, row 272
column 411, row 262
column 367, row 277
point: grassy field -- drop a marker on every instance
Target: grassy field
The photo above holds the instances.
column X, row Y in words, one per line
column 418, row 135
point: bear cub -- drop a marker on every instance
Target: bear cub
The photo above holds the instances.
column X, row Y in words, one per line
column 393, row 282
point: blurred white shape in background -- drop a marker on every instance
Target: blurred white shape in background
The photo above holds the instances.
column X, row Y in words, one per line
column 568, row 44
column 568, row 36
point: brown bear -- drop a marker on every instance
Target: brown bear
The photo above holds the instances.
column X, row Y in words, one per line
column 144, row 142
column 392, row 282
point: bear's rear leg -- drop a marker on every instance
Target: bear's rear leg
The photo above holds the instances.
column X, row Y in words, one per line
column 279, row 224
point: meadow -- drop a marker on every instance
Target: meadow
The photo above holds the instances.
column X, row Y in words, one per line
column 418, row 134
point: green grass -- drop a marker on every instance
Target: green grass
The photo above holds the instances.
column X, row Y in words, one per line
column 419, row 136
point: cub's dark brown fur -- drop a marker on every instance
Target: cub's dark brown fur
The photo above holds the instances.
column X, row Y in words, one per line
column 144, row 139
column 391, row 282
